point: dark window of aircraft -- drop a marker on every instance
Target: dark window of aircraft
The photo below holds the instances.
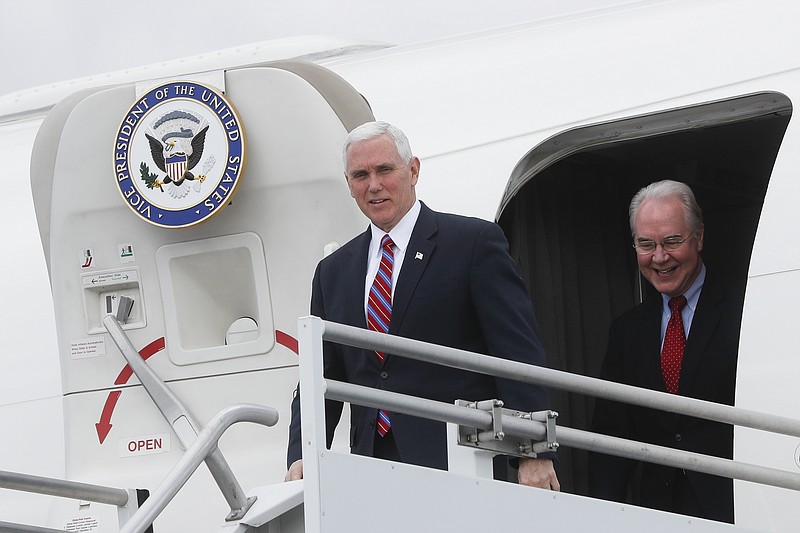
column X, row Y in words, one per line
column 565, row 214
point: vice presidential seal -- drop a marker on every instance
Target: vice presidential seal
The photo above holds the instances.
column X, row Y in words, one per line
column 179, row 154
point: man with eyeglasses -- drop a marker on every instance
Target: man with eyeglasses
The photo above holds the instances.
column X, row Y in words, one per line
column 683, row 341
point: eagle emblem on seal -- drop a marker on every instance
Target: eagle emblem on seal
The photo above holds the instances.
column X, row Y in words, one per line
column 176, row 146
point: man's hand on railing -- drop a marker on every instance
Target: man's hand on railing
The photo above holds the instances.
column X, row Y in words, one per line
column 537, row 473
column 295, row 471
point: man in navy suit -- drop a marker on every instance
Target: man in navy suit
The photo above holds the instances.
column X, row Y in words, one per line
column 453, row 283
column 668, row 231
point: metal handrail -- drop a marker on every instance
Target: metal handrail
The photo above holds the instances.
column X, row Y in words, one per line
column 575, row 438
column 177, row 416
column 519, row 427
column 7, row 527
column 464, row 360
column 203, row 446
column 63, row 488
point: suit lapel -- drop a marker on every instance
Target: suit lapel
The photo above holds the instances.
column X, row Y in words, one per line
column 704, row 324
column 354, row 272
column 417, row 256
column 650, row 343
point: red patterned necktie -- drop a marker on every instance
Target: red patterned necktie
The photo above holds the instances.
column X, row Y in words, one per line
column 379, row 310
column 674, row 344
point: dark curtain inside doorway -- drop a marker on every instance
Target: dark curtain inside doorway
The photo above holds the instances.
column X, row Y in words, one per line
column 571, row 244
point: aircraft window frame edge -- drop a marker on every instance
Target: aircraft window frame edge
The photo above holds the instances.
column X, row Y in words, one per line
column 578, row 139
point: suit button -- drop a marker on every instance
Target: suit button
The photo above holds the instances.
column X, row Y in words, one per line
column 372, row 425
column 678, row 437
column 384, row 374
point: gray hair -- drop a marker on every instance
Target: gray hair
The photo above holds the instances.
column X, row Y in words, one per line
column 661, row 190
column 371, row 130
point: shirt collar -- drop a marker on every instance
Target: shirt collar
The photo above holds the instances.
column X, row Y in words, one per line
column 693, row 293
column 400, row 234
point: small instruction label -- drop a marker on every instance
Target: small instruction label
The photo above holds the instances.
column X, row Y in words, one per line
column 126, row 254
column 86, row 258
column 109, row 278
column 82, row 523
column 147, row 445
column 86, row 348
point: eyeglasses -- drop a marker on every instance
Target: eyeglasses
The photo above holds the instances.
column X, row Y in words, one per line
column 670, row 244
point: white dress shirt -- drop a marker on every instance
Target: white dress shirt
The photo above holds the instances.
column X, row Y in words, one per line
column 400, row 235
column 687, row 313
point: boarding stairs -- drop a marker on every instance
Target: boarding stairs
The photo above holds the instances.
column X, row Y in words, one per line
column 345, row 493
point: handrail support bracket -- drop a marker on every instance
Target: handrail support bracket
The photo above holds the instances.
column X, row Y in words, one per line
column 497, row 441
column 238, row 514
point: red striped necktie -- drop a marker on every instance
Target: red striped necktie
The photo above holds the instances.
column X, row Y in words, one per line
column 379, row 310
column 674, row 345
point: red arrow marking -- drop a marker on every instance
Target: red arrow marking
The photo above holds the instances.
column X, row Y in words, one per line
column 286, row 340
column 104, row 426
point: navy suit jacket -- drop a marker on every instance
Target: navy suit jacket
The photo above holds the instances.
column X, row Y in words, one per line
column 708, row 372
column 457, row 287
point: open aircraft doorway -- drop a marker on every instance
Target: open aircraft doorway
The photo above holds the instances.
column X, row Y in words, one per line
column 565, row 212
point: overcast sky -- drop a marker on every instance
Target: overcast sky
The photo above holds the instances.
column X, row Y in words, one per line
column 44, row 41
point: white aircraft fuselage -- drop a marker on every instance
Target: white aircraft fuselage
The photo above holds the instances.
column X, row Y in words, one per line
column 547, row 128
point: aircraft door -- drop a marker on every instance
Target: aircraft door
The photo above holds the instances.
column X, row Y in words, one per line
column 207, row 203
column 566, row 216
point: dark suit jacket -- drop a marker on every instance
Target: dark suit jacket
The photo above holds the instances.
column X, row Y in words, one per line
column 466, row 292
column 708, row 372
